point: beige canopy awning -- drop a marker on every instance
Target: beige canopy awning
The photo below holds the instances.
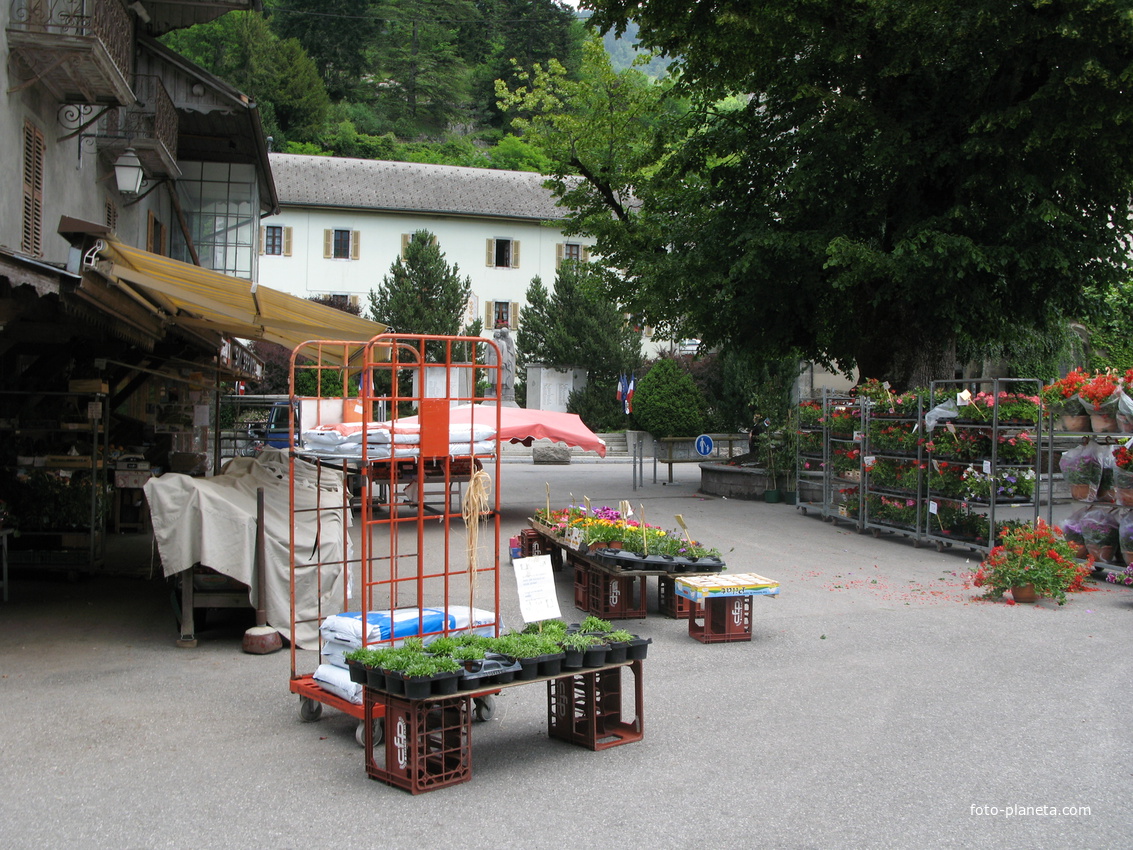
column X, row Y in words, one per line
column 202, row 300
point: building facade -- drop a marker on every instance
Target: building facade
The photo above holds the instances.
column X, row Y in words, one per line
column 343, row 222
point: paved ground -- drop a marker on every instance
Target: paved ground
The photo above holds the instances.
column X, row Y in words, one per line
column 881, row 704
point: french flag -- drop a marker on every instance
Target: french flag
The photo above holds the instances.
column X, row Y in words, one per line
column 629, row 396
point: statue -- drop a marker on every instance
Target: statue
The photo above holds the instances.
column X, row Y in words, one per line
column 506, row 344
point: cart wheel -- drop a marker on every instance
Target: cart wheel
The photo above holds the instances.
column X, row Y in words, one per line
column 801, row 508
column 484, row 708
column 379, row 732
column 939, row 545
column 309, row 709
column 876, row 532
column 916, row 543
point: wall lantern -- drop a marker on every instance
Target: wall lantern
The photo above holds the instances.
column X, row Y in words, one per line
column 128, row 172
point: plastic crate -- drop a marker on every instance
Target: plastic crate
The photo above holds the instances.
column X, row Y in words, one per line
column 721, row 619
column 586, row 709
column 428, row 743
column 668, row 602
column 616, row 597
column 582, row 575
column 532, row 543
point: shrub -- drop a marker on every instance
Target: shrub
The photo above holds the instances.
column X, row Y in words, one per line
column 667, row 403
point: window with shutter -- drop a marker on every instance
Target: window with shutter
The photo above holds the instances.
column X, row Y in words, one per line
column 31, row 234
column 503, row 253
column 273, row 240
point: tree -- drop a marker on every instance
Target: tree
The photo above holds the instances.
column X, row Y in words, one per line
column 901, row 182
column 241, row 49
column 421, row 294
column 667, row 402
column 337, row 34
column 576, row 327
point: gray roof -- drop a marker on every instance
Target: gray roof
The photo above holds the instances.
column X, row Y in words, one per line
column 324, row 181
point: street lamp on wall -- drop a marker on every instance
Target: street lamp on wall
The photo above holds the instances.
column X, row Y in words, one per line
column 128, row 172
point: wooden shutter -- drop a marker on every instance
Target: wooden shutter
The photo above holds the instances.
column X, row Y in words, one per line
column 585, row 254
column 558, row 254
column 31, row 235
column 513, row 315
column 328, row 244
column 287, row 241
column 151, row 226
column 263, row 231
column 515, row 253
column 489, row 315
column 355, row 244
column 491, row 259
column 406, row 238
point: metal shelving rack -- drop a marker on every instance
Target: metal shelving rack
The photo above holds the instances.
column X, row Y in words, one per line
column 990, row 465
column 915, row 424
column 835, row 508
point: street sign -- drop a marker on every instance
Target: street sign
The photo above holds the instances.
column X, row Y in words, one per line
column 704, row 445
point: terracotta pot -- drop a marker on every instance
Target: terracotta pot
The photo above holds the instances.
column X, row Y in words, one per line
column 1103, row 423
column 1125, row 423
column 1025, row 593
column 1080, row 551
column 1123, row 496
column 1127, row 557
column 1076, row 423
column 613, row 544
column 1101, row 554
column 1081, row 492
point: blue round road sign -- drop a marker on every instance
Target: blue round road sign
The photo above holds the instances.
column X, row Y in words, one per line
column 704, row 445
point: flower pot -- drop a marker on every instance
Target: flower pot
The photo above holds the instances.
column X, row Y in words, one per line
column 1080, row 551
column 375, row 678
column 551, row 665
column 638, row 648
column 1101, row 554
column 613, row 544
column 595, row 656
column 617, row 652
column 790, row 497
column 572, row 659
column 1103, row 423
column 1123, row 496
column 528, row 668
column 1080, row 422
column 1127, row 556
column 1125, row 423
column 357, row 672
column 1024, row 593
column 772, row 496
column 1082, row 492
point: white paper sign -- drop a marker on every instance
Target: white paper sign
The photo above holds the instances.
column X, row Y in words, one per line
column 536, row 585
column 987, row 467
column 933, row 508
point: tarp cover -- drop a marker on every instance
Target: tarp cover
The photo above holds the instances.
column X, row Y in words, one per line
column 522, row 425
column 212, row 522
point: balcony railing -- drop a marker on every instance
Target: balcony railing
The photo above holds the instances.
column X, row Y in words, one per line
column 80, row 49
column 148, row 126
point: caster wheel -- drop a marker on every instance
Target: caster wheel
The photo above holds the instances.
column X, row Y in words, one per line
column 916, row 544
column 876, row 532
column 309, row 710
column 939, row 546
column 379, row 732
column 803, row 510
column 484, row 708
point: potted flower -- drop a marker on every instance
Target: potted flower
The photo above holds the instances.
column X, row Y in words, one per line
column 1032, row 560
column 1123, row 475
column 1083, row 473
column 1099, row 530
column 1061, row 399
column 1099, row 398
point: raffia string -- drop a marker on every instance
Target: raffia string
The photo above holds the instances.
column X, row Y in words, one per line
column 474, row 510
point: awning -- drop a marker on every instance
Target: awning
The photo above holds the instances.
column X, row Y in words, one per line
column 200, row 299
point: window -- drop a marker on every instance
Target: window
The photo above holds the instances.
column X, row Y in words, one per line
column 341, row 244
column 501, row 314
column 155, row 235
column 275, row 239
column 503, row 253
column 406, row 238
column 571, row 251
column 31, row 233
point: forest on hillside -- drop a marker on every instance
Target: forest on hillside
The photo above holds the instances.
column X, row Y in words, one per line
column 409, row 80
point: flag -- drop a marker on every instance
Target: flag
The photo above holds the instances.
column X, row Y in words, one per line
column 621, row 387
column 629, row 396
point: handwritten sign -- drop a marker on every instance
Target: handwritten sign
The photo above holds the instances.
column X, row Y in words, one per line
column 536, row 586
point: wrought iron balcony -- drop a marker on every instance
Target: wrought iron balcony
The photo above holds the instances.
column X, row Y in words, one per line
column 148, row 126
column 80, row 50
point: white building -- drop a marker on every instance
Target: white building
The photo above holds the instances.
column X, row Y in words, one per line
column 343, row 222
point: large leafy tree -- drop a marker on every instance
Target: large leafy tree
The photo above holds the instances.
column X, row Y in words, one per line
column 900, row 182
column 422, row 294
column 336, row 33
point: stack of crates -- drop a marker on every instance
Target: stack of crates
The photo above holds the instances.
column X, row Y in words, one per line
column 721, row 619
column 668, row 602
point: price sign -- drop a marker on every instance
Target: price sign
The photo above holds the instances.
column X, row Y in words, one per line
column 536, row 585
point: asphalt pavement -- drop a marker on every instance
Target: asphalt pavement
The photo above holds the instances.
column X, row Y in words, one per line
column 881, row 703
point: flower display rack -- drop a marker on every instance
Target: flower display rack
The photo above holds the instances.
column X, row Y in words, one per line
column 586, row 709
column 843, row 425
column 979, row 458
column 893, row 465
column 428, row 743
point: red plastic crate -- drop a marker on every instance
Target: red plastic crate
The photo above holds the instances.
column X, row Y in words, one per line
column 428, row 743
column 532, row 543
column 668, row 602
column 582, row 574
column 721, row 619
column 586, row 709
column 616, row 597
